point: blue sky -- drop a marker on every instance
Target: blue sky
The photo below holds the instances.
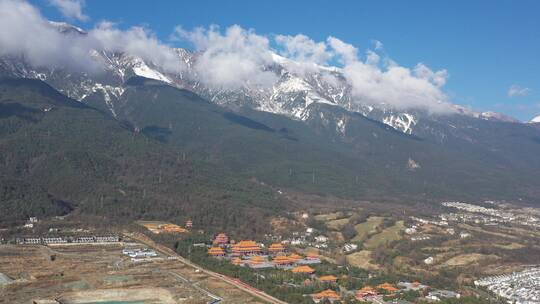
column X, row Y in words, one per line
column 486, row 46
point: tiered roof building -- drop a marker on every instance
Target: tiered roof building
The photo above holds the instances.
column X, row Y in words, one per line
column 367, row 291
column 276, row 248
column 303, row 269
column 221, row 239
column 326, row 294
column 246, row 248
column 216, row 252
column 387, row 287
column 256, row 260
column 295, row 257
column 282, row 260
column 328, row 279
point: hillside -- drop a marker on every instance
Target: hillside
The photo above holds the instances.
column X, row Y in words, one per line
column 368, row 159
column 171, row 154
column 58, row 155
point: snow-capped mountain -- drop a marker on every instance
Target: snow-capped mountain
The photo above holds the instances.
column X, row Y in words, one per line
column 294, row 94
column 535, row 120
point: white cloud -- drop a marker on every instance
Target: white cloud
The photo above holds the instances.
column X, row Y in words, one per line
column 516, row 90
column 71, row 9
column 303, row 49
column 24, row 32
column 391, row 84
column 346, row 52
column 136, row 41
column 378, row 45
column 231, row 59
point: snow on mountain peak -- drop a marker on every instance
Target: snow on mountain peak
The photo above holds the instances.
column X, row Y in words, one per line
column 140, row 68
column 535, row 120
column 496, row 117
column 66, row 28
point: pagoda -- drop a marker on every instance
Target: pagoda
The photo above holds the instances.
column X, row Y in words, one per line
column 221, row 240
column 246, row 248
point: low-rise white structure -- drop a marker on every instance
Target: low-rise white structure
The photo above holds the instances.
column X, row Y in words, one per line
column 519, row 287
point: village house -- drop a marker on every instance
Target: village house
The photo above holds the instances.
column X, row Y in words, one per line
column 349, row 247
column 437, row 295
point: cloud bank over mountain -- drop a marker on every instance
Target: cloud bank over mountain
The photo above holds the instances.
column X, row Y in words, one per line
column 228, row 58
column 25, row 32
column 71, row 9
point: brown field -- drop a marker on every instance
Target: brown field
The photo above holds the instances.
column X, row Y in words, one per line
column 76, row 274
column 154, row 226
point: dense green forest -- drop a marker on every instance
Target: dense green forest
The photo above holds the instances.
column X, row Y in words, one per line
column 170, row 155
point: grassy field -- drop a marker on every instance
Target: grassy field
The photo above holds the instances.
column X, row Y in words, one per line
column 363, row 230
column 329, row 216
column 362, row 259
column 467, row 259
column 337, row 224
column 386, row 236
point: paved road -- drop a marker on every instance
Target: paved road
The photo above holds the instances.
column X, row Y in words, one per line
column 237, row 283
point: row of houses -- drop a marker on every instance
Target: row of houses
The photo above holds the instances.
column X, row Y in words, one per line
column 66, row 240
column 518, row 287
